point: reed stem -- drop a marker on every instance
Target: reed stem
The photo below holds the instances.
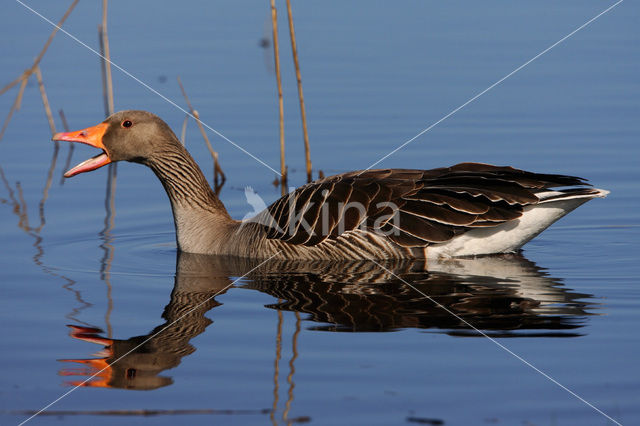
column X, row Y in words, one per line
column 16, row 105
column 217, row 170
column 112, row 172
column 106, row 61
column 65, row 126
column 276, row 55
column 303, row 113
column 26, row 73
column 45, row 101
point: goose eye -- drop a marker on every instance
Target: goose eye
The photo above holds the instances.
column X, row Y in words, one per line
column 127, row 123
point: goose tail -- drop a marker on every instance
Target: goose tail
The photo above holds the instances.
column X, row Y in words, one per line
column 511, row 236
column 584, row 194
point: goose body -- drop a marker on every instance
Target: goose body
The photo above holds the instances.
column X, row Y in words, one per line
column 463, row 210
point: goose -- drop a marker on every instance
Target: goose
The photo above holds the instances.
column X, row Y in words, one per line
column 468, row 209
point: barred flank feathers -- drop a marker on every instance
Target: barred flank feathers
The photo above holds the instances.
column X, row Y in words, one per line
column 432, row 206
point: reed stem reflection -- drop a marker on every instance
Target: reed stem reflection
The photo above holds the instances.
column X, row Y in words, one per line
column 21, row 210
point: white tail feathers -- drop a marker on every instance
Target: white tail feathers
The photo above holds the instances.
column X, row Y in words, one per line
column 511, row 236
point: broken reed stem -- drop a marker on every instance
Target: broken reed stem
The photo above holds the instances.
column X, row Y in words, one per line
column 303, row 113
column 65, row 126
column 217, row 170
column 63, row 118
column 45, row 101
column 15, row 106
column 26, row 73
column 276, row 55
column 106, row 61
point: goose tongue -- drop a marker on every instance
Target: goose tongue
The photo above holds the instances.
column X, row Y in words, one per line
column 90, row 136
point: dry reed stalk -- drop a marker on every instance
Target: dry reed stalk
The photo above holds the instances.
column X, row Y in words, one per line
column 15, row 106
column 45, row 193
column 217, row 170
column 283, row 182
column 112, row 172
column 107, row 85
column 303, row 113
column 20, row 208
column 107, row 91
column 65, row 126
column 45, row 101
column 276, row 55
column 103, row 72
column 106, row 61
column 26, row 73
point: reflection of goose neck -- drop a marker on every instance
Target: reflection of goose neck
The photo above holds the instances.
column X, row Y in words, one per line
column 137, row 362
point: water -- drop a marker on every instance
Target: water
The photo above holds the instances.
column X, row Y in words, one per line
column 329, row 344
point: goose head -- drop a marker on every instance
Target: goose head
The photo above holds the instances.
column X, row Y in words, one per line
column 136, row 136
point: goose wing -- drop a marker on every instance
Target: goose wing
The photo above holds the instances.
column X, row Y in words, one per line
column 414, row 208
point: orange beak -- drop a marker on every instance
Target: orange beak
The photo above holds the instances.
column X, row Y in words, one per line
column 90, row 136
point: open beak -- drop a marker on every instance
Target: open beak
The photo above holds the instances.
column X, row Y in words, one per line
column 90, row 136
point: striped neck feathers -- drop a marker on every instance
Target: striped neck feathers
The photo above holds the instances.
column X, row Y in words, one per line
column 183, row 180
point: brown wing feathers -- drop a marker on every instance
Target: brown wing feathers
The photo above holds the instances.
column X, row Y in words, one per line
column 412, row 207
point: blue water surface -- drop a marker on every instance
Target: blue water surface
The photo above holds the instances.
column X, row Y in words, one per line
column 86, row 280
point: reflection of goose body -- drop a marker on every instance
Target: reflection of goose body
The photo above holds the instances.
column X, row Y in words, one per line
column 467, row 209
column 498, row 294
column 504, row 295
column 526, row 280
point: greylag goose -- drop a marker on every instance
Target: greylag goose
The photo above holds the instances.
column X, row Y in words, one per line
column 463, row 210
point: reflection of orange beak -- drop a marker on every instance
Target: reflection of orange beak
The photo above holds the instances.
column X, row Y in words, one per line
column 90, row 136
column 84, row 329
column 96, row 365
column 89, row 334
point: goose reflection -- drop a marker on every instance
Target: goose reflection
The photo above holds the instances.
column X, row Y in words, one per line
column 141, row 359
column 504, row 296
